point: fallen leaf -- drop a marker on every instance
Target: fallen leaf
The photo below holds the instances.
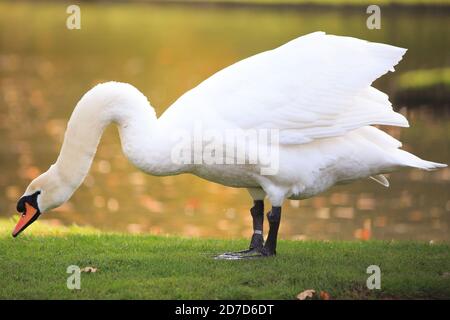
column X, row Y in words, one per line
column 324, row 295
column 306, row 294
column 89, row 269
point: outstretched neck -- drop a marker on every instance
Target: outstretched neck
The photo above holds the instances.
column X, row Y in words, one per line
column 140, row 134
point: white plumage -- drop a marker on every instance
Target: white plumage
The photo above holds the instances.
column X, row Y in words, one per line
column 315, row 91
column 315, row 86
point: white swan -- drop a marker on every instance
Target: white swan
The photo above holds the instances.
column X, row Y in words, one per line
column 313, row 93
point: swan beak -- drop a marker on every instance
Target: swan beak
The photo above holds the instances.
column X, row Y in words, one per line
column 28, row 217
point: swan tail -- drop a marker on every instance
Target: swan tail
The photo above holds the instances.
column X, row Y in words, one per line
column 381, row 179
column 407, row 159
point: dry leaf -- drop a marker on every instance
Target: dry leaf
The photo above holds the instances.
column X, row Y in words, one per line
column 306, row 294
column 324, row 295
column 89, row 269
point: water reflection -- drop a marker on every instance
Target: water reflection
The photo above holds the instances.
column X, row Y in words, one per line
column 44, row 69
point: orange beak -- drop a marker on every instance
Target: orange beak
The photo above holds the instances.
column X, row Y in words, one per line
column 27, row 218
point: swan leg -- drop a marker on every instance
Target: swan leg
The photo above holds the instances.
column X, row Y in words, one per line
column 257, row 212
column 269, row 248
column 257, row 241
column 274, row 217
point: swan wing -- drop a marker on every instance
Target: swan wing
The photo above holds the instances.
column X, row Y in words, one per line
column 315, row 86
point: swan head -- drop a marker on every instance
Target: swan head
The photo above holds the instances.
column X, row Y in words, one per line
column 44, row 193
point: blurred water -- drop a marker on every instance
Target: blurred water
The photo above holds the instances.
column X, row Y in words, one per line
column 164, row 51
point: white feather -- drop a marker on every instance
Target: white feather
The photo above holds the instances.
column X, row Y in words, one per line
column 316, row 86
column 381, row 180
column 315, row 90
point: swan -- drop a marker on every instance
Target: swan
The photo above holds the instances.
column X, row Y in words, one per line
column 308, row 105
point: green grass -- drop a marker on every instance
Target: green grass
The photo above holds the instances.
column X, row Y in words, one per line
column 151, row 267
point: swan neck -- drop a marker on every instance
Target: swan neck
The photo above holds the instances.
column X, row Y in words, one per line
column 106, row 103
